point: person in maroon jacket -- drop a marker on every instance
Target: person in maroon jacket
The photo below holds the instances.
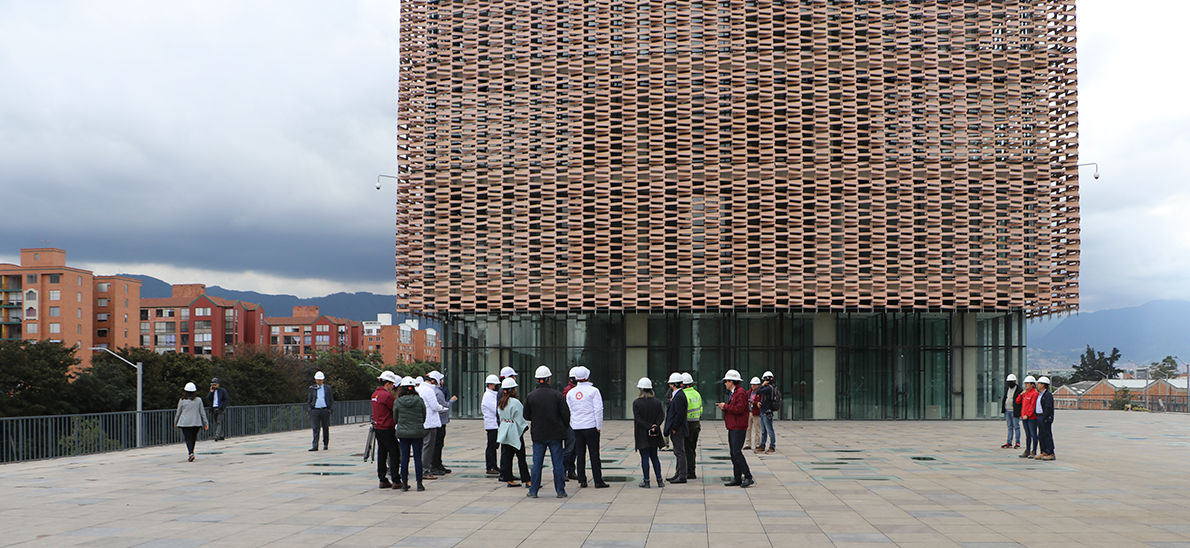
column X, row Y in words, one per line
column 735, row 416
column 385, row 428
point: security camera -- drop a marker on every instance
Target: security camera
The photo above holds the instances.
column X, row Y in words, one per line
column 378, row 183
column 1096, row 175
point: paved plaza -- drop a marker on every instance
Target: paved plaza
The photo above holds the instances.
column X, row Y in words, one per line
column 1121, row 480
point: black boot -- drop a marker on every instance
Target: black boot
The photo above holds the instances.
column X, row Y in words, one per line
column 643, row 484
column 420, row 487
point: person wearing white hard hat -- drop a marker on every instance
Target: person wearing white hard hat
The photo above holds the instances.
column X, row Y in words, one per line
column 433, row 420
column 384, row 427
column 648, row 421
column 320, row 403
column 768, row 404
column 735, row 417
column 546, row 409
column 432, row 459
column 410, row 413
column 693, row 423
column 1045, row 420
column 512, row 433
column 568, row 445
column 190, row 416
column 506, row 372
column 491, row 424
column 586, row 418
column 675, row 428
column 1028, row 403
column 1012, row 412
column 753, row 414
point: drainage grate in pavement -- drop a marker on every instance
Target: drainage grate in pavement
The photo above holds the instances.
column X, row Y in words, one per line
column 328, row 464
column 263, row 453
column 324, row 473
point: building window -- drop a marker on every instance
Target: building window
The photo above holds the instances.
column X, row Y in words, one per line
column 184, row 327
column 322, row 339
column 101, row 333
column 144, row 327
column 406, row 336
column 185, row 338
column 55, row 278
column 202, row 337
column 431, row 339
column 229, row 314
column 202, row 311
column 31, row 329
column 101, row 345
column 166, row 340
column 292, row 329
column 202, row 324
column 101, row 303
column 31, row 278
column 165, row 312
column 322, row 328
column 55, row 295
column 80, row 281
column 78, row 329
column 31, row 296
column 101, row 317
column 79, row 296
column 103, row 287
column 144, row 315
column 55, row 328
column 275, row 330
column 146, row 340
column 184, row 314
column 55, row 312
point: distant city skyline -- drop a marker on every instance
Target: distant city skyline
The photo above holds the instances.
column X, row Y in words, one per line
column 238, row 145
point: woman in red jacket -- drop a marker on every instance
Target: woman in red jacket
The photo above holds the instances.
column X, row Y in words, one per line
column 1028, row 403
column 735, row 415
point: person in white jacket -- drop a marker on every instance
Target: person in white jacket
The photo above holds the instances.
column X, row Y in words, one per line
column 586, row 419
column 433, row 421
column 491, row 424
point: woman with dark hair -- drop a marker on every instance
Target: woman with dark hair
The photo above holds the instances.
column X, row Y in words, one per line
column 409, row 412
column 190, row 416
column 511, row 433
column 648, row 416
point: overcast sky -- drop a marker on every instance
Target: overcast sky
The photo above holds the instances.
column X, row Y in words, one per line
column 238, row 143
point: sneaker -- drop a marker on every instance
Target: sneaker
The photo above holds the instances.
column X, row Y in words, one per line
column 531, row 495
column 1017, row 446
column 1006, row 446
column 562, row 494
column 1024, row 455
column 771, row 450
column 191, row 459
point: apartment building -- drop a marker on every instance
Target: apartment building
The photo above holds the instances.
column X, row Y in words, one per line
column 308, row 332
column 192, row 322
column 44, row 299
column 404, row 343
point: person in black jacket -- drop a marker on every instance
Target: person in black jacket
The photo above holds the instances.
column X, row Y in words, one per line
column 320, row 403
column 1012, row 413
column 1045, row 420
column 675, row 428
column 546, row 410
column 218, row 405
column 648, row 416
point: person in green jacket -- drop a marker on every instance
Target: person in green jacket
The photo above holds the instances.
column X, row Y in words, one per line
column 511, row 433
column 409, row 412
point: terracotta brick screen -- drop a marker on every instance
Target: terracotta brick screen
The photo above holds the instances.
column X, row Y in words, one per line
column 666, row 155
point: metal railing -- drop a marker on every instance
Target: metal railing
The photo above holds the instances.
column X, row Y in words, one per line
column 46, row 437
column 1163, row 403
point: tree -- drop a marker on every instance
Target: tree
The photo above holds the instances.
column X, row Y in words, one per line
column 108, row 386
column 252, row 378
column 1165, row 369
column 1121, row 400
column 165, row 376
column 35, row 378
column 1059, row 380
column 1095, row 365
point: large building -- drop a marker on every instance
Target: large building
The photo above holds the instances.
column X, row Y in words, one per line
column 191, row 322
column 405, row 342
column 867, row 198
column 44, row 299
column 308, row 332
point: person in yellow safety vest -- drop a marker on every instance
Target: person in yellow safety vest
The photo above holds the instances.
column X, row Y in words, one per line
column 693, row 422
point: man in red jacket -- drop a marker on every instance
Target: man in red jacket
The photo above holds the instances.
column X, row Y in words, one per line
column 385, row 428
column 735, row 416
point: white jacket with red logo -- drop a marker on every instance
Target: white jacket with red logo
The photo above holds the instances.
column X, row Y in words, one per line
column 586, row 406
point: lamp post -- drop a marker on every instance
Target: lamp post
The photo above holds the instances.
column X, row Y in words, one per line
column 370, row 365
column 1148, row 380
column 140, row 393
column 1187, row 394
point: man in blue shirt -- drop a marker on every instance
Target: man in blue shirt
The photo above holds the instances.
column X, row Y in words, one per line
column 218, row 405
column 320, row 403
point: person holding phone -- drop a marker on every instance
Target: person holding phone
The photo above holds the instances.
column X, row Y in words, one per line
column 735, row 416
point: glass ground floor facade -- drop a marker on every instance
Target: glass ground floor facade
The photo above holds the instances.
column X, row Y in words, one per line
column 852, row 366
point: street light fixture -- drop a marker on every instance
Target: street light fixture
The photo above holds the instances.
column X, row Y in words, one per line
column 140, row 393
column 370, row 365
column 1096, row 175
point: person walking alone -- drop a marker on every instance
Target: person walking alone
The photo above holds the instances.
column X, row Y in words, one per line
column 384, row 427
column 648, row 418
column 586, row 418
column 409, row 412
column 320, row 403
column 546, row 409
column 511, row 434
column 190, row 416
column 218, row 408
column 735, row 417
column 491, row 423
column 1012, row 412
column 1028, row 403
column 675, row 427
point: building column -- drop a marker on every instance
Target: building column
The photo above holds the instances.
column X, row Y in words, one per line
column 824, row 366
column 964, row 370
column 636, row 356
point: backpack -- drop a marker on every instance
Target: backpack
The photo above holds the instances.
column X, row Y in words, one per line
column 775, row 403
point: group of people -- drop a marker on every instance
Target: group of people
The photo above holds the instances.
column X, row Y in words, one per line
column 1034, row 408
column 409, row 418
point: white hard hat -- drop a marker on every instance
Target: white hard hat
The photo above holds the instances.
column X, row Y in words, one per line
column 732, row 375
column 509, row 382
column 418, row 380
column 1043, row 380
column 190, row 387
column 507, row 372
column 687, row 378
column 319, row 376
column 492, row 379
column 675, row 378
column 767, row 375
column 435, row 375
column 582, row 373
column 389, row 376
column 755, row 380
column 543, row 372
column 1030, row 379
column 1011, row 377
column 408, row 381
column 644, row 384
column 571, row 375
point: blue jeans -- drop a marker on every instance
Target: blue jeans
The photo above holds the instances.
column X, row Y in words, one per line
column 410, row 446
column 568, row 450
column 1014, row 425
column 1030, row 434
column 559, row 470
column 766, row 431
column 646, row 456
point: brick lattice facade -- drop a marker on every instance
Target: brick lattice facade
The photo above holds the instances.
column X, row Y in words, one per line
column 757, row 154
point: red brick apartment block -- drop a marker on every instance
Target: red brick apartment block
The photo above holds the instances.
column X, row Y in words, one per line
column 192, row 322
column 402, row 343
column 308, row 332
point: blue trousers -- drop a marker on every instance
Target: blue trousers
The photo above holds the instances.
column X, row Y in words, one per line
column 559, row 470
column 1014, row 425
column 1030, row 434
column 410, row 445
column 766, row 431
column 647, row 456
